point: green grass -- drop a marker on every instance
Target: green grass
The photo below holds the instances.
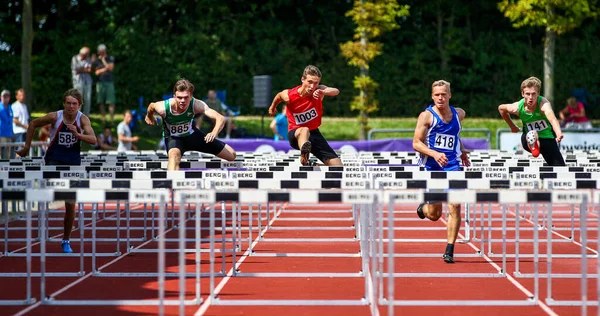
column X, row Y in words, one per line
column 333, row 128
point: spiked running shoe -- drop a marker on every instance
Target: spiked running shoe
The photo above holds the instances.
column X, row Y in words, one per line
column 305, row 153
column 532, row 142
column 66, row 246
column 420, row 211
column 448, row 258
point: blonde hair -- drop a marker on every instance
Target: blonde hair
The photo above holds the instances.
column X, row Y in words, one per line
column 531, row 82
column 441, row 83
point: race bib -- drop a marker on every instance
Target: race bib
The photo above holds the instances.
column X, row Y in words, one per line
column 444, row 141
column 66, row 139
column 179, row 129
column 305, row 117
column 537, row 125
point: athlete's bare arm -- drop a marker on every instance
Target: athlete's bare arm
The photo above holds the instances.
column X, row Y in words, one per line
column 423, row 123
column 507, row 109
column 219, row 123
column 280, row 97
column 88, row 135
column 464, row 156
column 49, row 118
column 546, row 109
column 324, row 90
column 158, row 108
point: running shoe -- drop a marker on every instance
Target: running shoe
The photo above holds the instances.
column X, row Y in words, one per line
column 532, row 142
column 66, row 246
column 305, row 153
column 448, row 258
column 420, row 211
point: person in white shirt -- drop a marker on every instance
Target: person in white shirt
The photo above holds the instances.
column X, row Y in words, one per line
column 125, row 139
column 20, row 117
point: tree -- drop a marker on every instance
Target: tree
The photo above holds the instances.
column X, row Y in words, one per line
column 373, row 18
column 557, row 16
column 27, row 41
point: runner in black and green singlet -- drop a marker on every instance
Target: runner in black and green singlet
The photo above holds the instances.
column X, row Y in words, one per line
column 541, row 129
column 178, row 125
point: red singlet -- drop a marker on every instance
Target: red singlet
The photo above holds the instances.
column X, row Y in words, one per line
column 303, row 111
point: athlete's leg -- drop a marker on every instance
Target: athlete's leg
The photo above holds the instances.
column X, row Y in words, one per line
column 453, row 222
column 68, row 225
column 174, row 159
column 334, row 162
column 302, row 134
column 432, row 211
column 227, row 153
column 551, row 153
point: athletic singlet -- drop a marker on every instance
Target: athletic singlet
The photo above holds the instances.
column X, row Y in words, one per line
column 64, row 146
column 105, row 140
column 303, row 111
column 178, row 125
column 535, row 120
column 443, row 137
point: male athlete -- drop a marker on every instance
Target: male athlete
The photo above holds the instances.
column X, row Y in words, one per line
column 541, row 129
column 305, row 110
column 179, row 129
column 68, row 128
column 437, row 139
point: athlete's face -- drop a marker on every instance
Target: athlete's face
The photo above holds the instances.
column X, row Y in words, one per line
column 310, row 83
column 71, row 105
column 441, row 96
column 530, row 94
column 182, row 98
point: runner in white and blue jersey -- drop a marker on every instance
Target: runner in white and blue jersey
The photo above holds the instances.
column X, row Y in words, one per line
column 69, row 127
column 437, row 139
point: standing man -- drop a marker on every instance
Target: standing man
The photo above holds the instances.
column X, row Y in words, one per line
column 437, row 139
column 125, row 137
column 21, row 118
column 105, row 86
column 6, row 124
column 279, row 125
column 214, row 103
column 81, row 67
column 305, row 110
column 68, row 127
column 541, row 129
column 179, row 131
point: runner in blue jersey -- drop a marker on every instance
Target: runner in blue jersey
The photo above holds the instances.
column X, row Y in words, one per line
column 68, row 128
column 437, row 139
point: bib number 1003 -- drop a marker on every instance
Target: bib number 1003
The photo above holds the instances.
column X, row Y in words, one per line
column 444, row 141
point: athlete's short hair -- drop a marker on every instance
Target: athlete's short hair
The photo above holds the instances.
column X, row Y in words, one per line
column 441, row 83
column 183, row 85
column 311, row 70
column 531, row 82
column 75, row 94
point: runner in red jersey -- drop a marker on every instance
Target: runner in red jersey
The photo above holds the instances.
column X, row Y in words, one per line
column 304, row 113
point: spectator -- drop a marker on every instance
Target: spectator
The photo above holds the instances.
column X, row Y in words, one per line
column 20, row 119
column 105, row 140
column 125, row 139
column 105, row 86
column 6, row 124
column 81, row 67
column 216, row 105
column 279, row 125
column 573, row 115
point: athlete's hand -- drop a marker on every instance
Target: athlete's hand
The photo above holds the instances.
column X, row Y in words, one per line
column 151, row 120
column 441, row 159
column 318, row 94
column 210, row 137
column 23, row 152
column 515, row 129
column 272, row 111
column 465, row 158
column 559, row 137
column 73, row 130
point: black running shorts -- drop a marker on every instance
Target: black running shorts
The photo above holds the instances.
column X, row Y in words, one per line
column 320, row 147
column 548, row 149
column 194, row 142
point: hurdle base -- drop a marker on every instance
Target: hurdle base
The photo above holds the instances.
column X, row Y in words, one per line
column 358, row 302
column 553, row 302
column 17, row 302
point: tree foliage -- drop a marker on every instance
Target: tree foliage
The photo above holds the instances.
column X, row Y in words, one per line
column 372, row 18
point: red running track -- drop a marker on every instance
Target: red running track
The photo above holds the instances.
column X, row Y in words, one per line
column 306, row 239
